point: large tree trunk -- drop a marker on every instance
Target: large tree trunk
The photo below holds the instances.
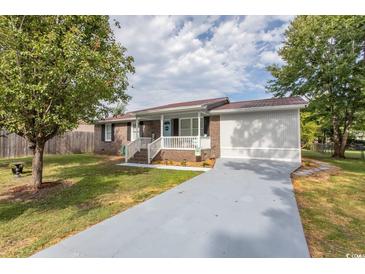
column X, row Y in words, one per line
column 337, row 138
column 340, row 138
column 336, row 149
column 37, row 164
column 344, row 139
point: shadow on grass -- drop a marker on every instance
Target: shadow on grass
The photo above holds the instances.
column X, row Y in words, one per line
column 93, row 180
column 348, row 164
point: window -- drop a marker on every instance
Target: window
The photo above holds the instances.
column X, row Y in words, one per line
column 185, row 127
column 189, row 127
column 108, row 132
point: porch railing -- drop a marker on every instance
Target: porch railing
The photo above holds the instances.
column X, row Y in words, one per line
column 133, row 147
column 185, row 142
column 166, row 142
column 144, row 142
column 205, row 142
column 180, row 142
column 153, row 149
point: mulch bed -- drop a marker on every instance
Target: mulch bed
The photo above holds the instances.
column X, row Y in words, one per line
column 207, row 163
column 27, row 192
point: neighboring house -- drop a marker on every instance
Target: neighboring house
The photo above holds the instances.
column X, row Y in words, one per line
column 203, row 129
column 84, row 127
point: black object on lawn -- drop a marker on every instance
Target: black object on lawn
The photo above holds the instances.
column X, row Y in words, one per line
column 17, row 169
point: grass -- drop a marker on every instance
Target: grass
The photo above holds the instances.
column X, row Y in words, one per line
column 97, row 189
column 351, row 154
column 332, row 207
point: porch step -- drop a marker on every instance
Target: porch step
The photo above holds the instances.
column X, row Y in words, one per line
column 137, row 161
column 140, row 157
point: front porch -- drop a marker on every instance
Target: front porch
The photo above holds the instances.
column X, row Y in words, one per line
column 178, row 137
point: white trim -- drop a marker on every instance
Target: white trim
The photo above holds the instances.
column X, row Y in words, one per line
column 199, row 126
column 261, row 158
column 266, row 148
column 253, row 109
column 165, row 148
column 114, row 121
column 165, row 110
column 161, row 128
column 299, row 139
column 151, row 156
column 134, row 135
column 108, row 125
column 191, row 126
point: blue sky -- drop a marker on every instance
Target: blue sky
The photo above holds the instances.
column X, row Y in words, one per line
column 181, row 58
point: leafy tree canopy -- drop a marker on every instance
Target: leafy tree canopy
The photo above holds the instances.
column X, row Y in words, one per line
column 56, row 71
column 325, row 62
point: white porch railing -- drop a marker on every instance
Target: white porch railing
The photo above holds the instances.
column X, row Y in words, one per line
column 166, row 142
column 153, row 149
column 205, row 142
column 135, row 146
column 180, row 142
column 144, row 142
column 185, row 142
column 131, row 149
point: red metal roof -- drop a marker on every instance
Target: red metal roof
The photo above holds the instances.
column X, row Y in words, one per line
column 128, row 115
column 264, row 103
column 188, row 104
column 226, row 105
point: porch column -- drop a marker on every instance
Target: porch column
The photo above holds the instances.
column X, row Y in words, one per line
column 137, row 128
column 199, row 125
column 161, row 133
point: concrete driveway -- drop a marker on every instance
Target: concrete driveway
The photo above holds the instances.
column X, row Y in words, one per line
column 241, row 208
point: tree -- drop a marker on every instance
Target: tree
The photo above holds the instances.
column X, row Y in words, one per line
column 309, row 129
column 325, row 62
column 56, row 71
column 118, row 109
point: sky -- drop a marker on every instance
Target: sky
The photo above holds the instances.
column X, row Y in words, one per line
column 183, row 58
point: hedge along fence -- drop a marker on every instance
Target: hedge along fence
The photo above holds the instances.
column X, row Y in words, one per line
column 12, row 145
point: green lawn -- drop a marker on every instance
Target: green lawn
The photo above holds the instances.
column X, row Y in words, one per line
column 97, row 189
column 351, row 154
column 332, row 207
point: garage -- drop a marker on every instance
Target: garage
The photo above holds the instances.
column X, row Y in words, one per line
column 260, row 132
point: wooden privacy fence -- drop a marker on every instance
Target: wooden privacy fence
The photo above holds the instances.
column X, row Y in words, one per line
column 13, row 145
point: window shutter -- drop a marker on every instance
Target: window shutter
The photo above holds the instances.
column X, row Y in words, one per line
column 175, row 127
column 103, row 133
column 112, row 132
column 206, row 125
column 128, row 131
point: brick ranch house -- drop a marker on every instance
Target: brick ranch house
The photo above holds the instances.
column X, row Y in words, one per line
column 203, row 129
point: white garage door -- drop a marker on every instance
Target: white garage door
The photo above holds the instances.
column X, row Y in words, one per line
column 261, row 135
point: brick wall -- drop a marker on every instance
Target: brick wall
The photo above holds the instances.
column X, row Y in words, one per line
column 112, row 148
column 150, row 127
column 214, row 132
column 181, row 155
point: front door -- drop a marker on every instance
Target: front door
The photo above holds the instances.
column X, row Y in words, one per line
column 167, row 127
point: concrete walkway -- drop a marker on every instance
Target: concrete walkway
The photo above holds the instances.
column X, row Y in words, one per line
column 241, row 208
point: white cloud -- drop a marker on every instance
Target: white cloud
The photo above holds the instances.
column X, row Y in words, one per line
column 270, row 57
column 181, row 58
